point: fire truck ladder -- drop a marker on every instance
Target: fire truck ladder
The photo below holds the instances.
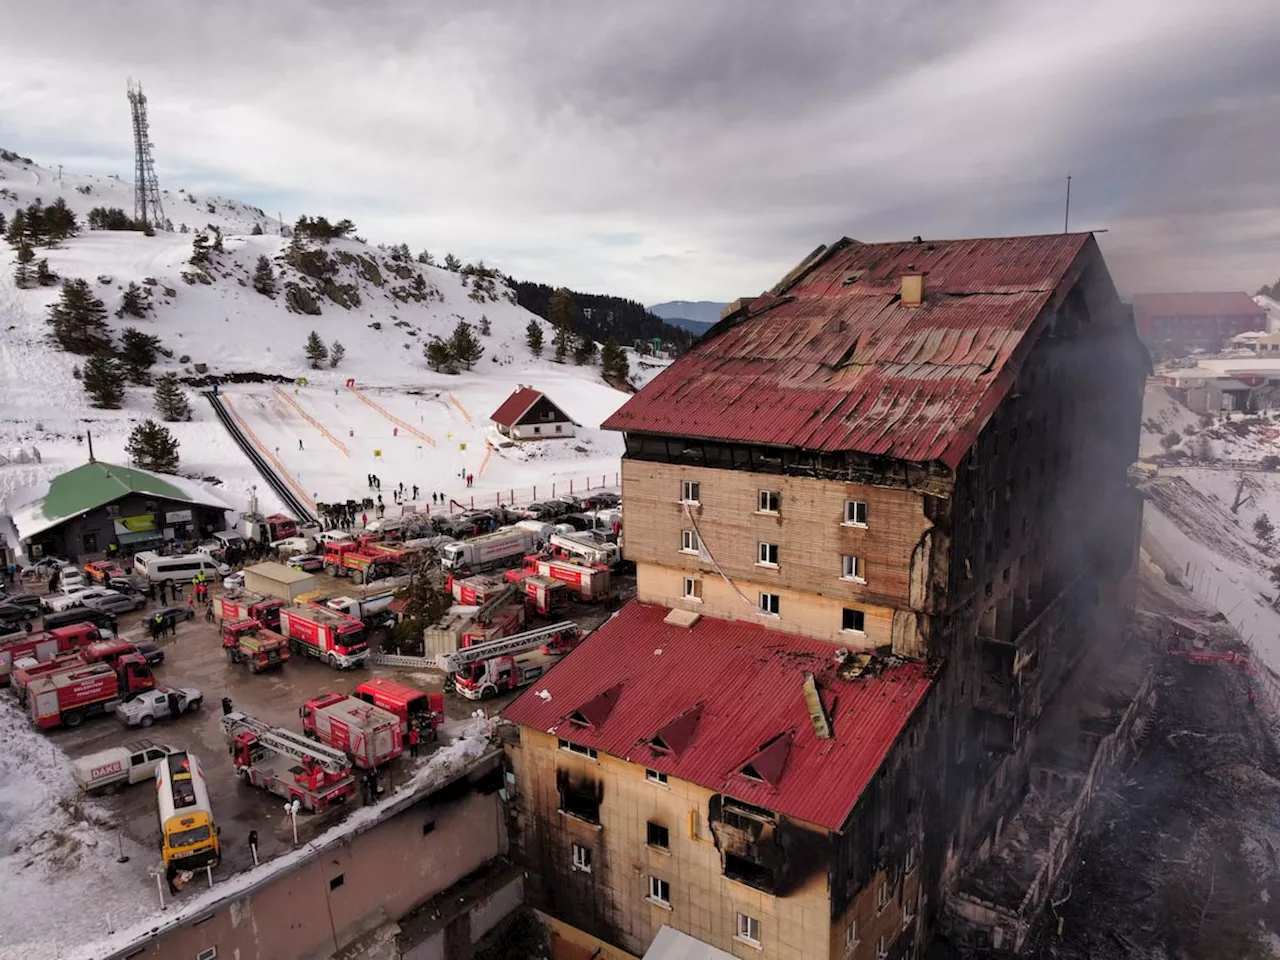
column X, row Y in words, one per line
column 286, row 742
column 516, row 643
column 487, row 609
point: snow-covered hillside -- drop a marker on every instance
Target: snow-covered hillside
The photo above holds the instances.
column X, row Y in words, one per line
column 381, row 308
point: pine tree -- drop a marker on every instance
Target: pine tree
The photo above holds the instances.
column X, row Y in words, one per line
column 562, row 311
column 614, row 361
column 425, row 257
column 79, row 319
column 562, row 341
column 217, row 240
column 3, row 224
column 464, row 346
column 171, row 402
column 152, row 447
column 452, row 263
column 200, row 250
column 104, row 382
column 138, row 353
column 1263, row 529
column 584, row 351
column 264, row 277
column 17, row 230
column 439, row 356
column 22, row 277
column 485, row 329
column 134, row 302
column 533, row 336
column 33, row 226
column 44, row 276
column 316, row 351
column 60, row 221
column 256, row 231
column 337, row 353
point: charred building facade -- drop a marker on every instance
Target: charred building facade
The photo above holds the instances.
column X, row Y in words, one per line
column 915, row 454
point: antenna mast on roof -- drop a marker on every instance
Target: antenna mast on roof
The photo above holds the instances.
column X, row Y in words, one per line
column 146, row 188
column 1066, row 218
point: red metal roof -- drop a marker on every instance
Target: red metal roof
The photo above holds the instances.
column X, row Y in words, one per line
column 747, row 685
column 1152, row 306
column 515, row 406
column 835, row 362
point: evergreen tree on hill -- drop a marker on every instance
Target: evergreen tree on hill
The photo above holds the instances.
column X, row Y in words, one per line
column 452, row 263
column 425, row 257
column 34, row 230
column 337, row 353
column 562, row 342
column 152, row 447
column 200, row 250
column 15, row 235
column 44, row 276
column 4, row 225
column 171, row 402
column 602, row 317
column 22, row 276
column 533, row 336
column 79, row 319
column 464, row 346
column 439, row 356
column 138, row 353
column 264, row 277
column 562, row 311
column 104, row 382
column 614, row 361
column 134, row 302
column 485, row 328
column 60, row 221
column 584, row 351
column 316, row 351
column 256, row 231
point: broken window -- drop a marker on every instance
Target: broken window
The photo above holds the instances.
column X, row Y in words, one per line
column 579, row 797
column 750, row 872
column 658, row 836
column 581, row 858
column 854, row 621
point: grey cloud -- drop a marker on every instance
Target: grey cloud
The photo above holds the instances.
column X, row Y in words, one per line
column 728, row 137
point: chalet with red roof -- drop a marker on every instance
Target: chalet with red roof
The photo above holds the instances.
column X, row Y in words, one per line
column 528, row 414
column 880, row 515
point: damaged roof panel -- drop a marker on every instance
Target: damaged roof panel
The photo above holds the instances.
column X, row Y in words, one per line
column 833, row 364
column 733, row 693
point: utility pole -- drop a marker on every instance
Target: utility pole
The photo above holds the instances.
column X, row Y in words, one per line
column 1066, row 219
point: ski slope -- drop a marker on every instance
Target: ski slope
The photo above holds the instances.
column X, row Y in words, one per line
column 224, row 328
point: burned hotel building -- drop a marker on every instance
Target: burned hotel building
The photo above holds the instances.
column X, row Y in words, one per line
column 880, row 516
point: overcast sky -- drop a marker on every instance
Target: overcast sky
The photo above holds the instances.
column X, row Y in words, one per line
column 691, row 149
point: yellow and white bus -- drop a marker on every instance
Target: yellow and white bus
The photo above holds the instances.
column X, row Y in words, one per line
column 188, row 837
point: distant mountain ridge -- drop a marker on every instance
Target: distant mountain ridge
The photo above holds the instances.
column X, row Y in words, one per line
column 698, row 316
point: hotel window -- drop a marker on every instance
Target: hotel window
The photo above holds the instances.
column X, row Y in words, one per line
column 851, row 940
column 692, row 588
column 656, row 776
column 853, row 621
column 770, row 500
column 882, row 895
column 855, row 513
column 660, row 892
column 688, row 541
column 767, row 555
column 658, row 836
column 769, row 604
column 853, row 568
column 689, row 490
column 748, row 930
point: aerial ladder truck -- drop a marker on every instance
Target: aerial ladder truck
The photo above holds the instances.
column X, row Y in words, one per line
column 287, row 763
column 484, row 670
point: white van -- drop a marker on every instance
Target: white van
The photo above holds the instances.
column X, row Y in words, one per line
column 184, row 566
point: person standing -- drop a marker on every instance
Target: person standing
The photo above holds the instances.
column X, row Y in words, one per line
column 299, row 443
column 413, row 741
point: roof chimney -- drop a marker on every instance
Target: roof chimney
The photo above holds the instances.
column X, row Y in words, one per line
column 912, row 287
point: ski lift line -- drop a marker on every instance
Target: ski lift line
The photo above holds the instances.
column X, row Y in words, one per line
column 461, row 409
column 313, row 421
column 516, row 643
column 407, row 427
column 292, row 503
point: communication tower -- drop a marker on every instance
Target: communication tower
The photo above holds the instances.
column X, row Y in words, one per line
column 146, row 188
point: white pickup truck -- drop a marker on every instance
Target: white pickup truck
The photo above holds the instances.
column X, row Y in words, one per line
column 152, row 705
column 109, row 770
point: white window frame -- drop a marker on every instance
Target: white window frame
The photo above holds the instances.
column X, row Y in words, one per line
column 882, row 948
column 763, row 550
column 689, row 541
column 855, row 571
column 851, row 510
column 743, row 925
column 581, row 858
column 693, row 589
column 910, row 865
column 854, row 630
column 882, row 895
column 764, row 610
column 690, row 491
column 655, row 776
column 763, row 499
column 655, row 892
column 568, row 746
column 851, row 940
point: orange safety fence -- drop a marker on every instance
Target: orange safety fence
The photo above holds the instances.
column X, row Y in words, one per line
column 461, row 409
column 407, row 427
column 314, row 422
column 266, row 452
column 488, row 452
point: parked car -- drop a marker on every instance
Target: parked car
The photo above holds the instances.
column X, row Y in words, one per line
column 172, row 615
column 46, row 565
column 14, row 617
column 128, row 583
column 101, row 571
column 234, row 581
column 29, row 600
column 73, row 597
column 210, row 548
column 307, row 562
column 116, row 603
column 158, row 704
column 153, row 653
column 99, row 618
column 293, row 545
column 69, row 577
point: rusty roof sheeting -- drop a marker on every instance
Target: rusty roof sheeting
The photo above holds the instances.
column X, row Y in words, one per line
column 834, row 361
column 747, row 684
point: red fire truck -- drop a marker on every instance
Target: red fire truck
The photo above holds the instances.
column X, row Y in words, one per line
column 248, row 606
column 473, row 591
column 584, row 582
column 68, row 697
column 44, row 645
column 414, row 707
column 287, row 763
column 369, row 735
column 107, row 651
column 545, row 596
column 335, row 638
column 248, row 641
column 487, row 669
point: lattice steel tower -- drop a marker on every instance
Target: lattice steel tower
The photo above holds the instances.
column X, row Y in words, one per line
column 146, row 188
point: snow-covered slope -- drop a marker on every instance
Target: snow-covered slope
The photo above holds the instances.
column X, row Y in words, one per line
column 382, row 309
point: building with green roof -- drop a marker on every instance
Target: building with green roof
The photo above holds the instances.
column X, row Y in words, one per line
column 101, row 508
